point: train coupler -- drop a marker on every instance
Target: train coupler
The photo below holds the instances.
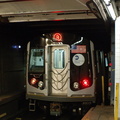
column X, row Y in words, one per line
column 55, row 109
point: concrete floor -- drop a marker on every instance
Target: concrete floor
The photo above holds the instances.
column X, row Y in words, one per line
column 100, row 113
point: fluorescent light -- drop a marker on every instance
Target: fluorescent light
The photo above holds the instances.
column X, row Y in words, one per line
column 110, row 9
column 107, row 2
column 112, row 12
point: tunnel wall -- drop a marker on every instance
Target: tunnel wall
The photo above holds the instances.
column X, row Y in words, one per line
column 12, row 65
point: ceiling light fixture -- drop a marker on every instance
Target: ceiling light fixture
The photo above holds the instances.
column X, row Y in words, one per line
column 111, row 9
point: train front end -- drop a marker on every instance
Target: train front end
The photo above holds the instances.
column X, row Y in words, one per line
column 60, row 72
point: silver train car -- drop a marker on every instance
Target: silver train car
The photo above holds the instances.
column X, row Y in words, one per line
column 60, row 71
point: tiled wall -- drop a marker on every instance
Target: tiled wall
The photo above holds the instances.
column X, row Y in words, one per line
column 117, row 57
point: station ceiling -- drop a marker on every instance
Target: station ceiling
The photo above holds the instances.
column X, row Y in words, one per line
column 44, row 10
column 47, row 10
column 89, row 17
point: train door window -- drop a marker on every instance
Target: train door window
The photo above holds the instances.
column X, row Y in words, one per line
column 36, row 58
column 59, row 58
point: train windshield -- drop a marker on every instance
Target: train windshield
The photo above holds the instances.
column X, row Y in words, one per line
column 59, row 58
column 36, row 60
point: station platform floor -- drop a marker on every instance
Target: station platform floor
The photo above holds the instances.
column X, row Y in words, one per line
column 100, row 112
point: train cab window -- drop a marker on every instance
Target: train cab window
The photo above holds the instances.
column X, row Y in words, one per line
column 59, row 58
column 36, row 59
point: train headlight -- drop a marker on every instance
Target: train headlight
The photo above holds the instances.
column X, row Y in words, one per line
column 40, row 84
column 33, row 81
column 76, row 85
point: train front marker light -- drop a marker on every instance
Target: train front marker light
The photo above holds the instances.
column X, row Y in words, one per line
column 40, row 84
column 33, row 81
column 76, row 85
column 85, row 83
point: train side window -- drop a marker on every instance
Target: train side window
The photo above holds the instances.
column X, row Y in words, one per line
column 59, row 58
column 36, row 58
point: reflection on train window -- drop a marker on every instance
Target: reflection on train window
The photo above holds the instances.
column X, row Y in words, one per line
column 36, row 59
column 59, row 58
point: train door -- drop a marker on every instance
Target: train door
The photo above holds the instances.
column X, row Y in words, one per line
column 57, row 68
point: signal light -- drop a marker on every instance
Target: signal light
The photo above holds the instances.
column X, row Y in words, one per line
column 16, row 46
column 110, row 64
column 33, row 81
column 85, row 83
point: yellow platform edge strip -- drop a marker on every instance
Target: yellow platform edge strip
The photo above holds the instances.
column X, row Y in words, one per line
column 116, row 102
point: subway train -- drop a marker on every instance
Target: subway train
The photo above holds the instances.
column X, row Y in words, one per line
column 60, row 71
